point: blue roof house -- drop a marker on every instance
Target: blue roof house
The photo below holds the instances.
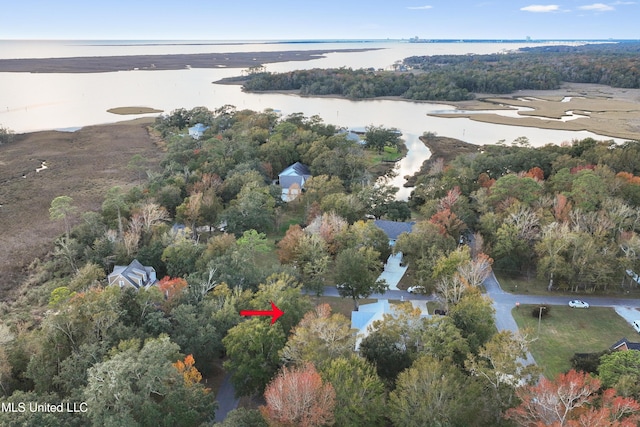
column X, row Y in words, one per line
column 363, row 319
column 393, row 229
column 197, row 131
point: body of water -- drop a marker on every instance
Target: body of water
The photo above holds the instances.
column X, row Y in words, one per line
column 32, row 101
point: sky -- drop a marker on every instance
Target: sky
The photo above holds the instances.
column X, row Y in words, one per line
column 318, row 19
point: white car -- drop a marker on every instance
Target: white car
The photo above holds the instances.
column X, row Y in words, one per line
column 576, row 303
column 415, row 289
column 636, row 325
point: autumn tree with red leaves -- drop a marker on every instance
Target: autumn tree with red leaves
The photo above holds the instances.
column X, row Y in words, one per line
column 172, row 287
column 573, row 400
column 448, row 223
column 297, row 397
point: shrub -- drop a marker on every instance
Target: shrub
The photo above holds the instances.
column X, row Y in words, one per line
column 536, row 311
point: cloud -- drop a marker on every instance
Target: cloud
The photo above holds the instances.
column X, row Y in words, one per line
column 597, row 7
column 539, row 8
column 419, row 7
column 622, row 3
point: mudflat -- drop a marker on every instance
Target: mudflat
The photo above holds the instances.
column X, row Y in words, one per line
column 613, row 112
column 103, row 64
column 82, row 164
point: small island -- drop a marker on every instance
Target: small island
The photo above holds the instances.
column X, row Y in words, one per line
column 124, row 111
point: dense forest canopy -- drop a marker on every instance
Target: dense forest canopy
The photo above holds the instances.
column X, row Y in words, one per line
column 459, row 77
column 211, row 220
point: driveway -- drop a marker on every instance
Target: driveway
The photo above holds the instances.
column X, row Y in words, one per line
column 393, row 272
column 628, row 313
column 226, row 398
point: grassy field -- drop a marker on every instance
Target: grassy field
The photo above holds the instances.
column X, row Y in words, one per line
column 567, row 331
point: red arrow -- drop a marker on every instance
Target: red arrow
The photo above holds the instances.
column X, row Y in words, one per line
column 275, row 313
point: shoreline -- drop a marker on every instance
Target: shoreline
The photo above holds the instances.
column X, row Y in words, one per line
column 612, row 112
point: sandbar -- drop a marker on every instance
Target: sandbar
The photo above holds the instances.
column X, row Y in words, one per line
column 104, row 64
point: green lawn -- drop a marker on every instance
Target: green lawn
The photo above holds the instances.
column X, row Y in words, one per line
column 568, row 330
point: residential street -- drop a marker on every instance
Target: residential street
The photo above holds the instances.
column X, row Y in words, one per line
column 504, row 302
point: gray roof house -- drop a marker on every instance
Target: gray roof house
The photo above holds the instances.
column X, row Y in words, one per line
column 292, row 180
column 625, row 344
column 134, row 274
column 393, row 229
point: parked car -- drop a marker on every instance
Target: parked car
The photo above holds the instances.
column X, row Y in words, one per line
column 576, row 303
column 636, row 325
column 415, row 289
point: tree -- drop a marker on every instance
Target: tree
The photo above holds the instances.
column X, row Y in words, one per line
column 193, row 329
column 525, row 189
column 434, row 393
column 298, row 397
column 61, row 209
column 5, row 368
column 6, row 135
column 621, row 370
column 474, row 316
column 442, row 340
column 378, row 137
column 242, row 417
column 328, row 226
column 319, row 338
column 286, row 293
column 392, row 343
column 500, row 366
column 359, row 391
column 181, row 256
column 172, row 288
column 357, row 271
column 378, row 199
column 588, row 190
column 252, row 209
column 367, row 234
column 572, row 399
column 252, row 347
column 348, row 206
column 140, row 386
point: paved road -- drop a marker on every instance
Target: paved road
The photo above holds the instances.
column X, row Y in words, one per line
column 504, row 302
column 226, row 399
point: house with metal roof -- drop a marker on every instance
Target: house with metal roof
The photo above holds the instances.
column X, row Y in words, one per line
column 135, row 275
column 393, row 229
column 363, row 319
column 197, row 130
column 292, row 180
